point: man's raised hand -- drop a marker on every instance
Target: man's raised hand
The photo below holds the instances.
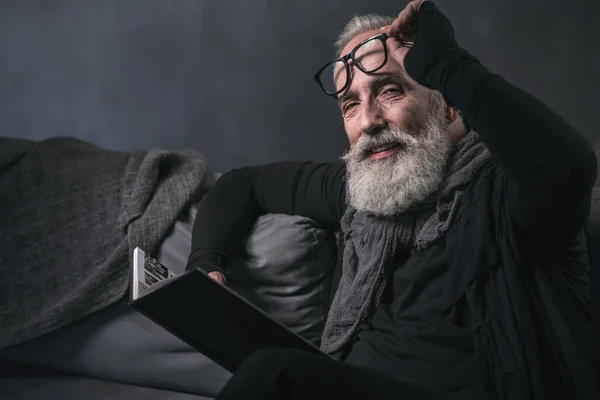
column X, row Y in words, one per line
column 432, row 35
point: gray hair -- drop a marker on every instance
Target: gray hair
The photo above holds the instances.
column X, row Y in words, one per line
column 360, row 24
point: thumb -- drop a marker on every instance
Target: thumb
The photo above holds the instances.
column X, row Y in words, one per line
column 219, row 277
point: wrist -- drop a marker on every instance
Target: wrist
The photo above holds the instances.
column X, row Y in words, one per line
column 432, row 66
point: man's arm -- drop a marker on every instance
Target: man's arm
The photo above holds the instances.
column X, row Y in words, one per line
column 550, row 167
column 230, row 209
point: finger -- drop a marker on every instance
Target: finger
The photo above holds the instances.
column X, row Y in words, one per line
column 398, row 21
column 408, row 27
column 405, row 31
column 397, row 51
column 411, row 11
column 403, row 16
column 393, row 45
column 387, row 30
column 218, row 277
column 401, row 19
column 393, row 29
column 399, row 26
column 404, row 22
column 416, row 4
column 401, row 13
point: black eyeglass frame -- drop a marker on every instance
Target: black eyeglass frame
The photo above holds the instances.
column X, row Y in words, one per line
column 344, row 59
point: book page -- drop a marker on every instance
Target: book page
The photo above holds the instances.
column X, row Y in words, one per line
column 147, row 273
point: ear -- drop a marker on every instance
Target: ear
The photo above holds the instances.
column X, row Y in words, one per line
column 451, row 114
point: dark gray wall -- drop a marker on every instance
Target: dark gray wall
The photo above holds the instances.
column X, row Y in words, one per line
column 233, row 79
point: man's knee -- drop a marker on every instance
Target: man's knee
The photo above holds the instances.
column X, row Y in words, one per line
column 263, row 375
column 271, row 364
column 275, row 366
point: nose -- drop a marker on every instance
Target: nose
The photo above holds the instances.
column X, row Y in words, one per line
column 372, row 119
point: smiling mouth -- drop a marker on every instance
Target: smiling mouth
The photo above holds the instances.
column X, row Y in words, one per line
column 383, row 151
column 385, row 147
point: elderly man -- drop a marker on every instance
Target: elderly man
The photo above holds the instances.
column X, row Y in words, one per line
column 464, row 271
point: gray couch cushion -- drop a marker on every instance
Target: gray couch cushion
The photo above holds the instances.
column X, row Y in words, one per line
column 81, row 388
column 285, row 270
column 117, row 344
column 34, row 384
column 285, row 267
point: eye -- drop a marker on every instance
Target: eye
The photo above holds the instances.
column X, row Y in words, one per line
column 391, row 90
column 349, row 106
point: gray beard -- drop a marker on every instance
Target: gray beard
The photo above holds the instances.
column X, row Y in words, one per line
column 398, row 182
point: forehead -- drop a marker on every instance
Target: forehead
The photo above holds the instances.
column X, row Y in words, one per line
column 357, row 39
column 390, row 67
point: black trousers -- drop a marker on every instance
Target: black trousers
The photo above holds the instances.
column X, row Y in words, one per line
column 274, row 373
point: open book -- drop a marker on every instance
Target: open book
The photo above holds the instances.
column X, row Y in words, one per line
column 208, row 316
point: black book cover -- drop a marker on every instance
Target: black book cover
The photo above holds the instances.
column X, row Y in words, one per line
column 212, row 318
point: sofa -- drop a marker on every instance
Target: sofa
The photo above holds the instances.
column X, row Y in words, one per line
column 285, row 267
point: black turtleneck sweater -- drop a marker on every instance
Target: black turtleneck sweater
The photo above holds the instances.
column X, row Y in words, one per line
column 549, row 166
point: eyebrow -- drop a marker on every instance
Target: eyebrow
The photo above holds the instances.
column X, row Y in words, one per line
column 384, row 79
column 375, row 85
column 348, row 95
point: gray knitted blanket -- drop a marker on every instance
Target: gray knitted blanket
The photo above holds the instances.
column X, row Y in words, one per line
column 70, row 215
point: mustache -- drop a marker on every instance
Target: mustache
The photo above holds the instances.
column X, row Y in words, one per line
column 362, row 149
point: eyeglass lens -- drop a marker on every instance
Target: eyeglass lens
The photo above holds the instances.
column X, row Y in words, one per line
column 369, row 57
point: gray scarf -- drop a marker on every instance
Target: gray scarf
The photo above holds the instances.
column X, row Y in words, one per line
column 371, row 242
